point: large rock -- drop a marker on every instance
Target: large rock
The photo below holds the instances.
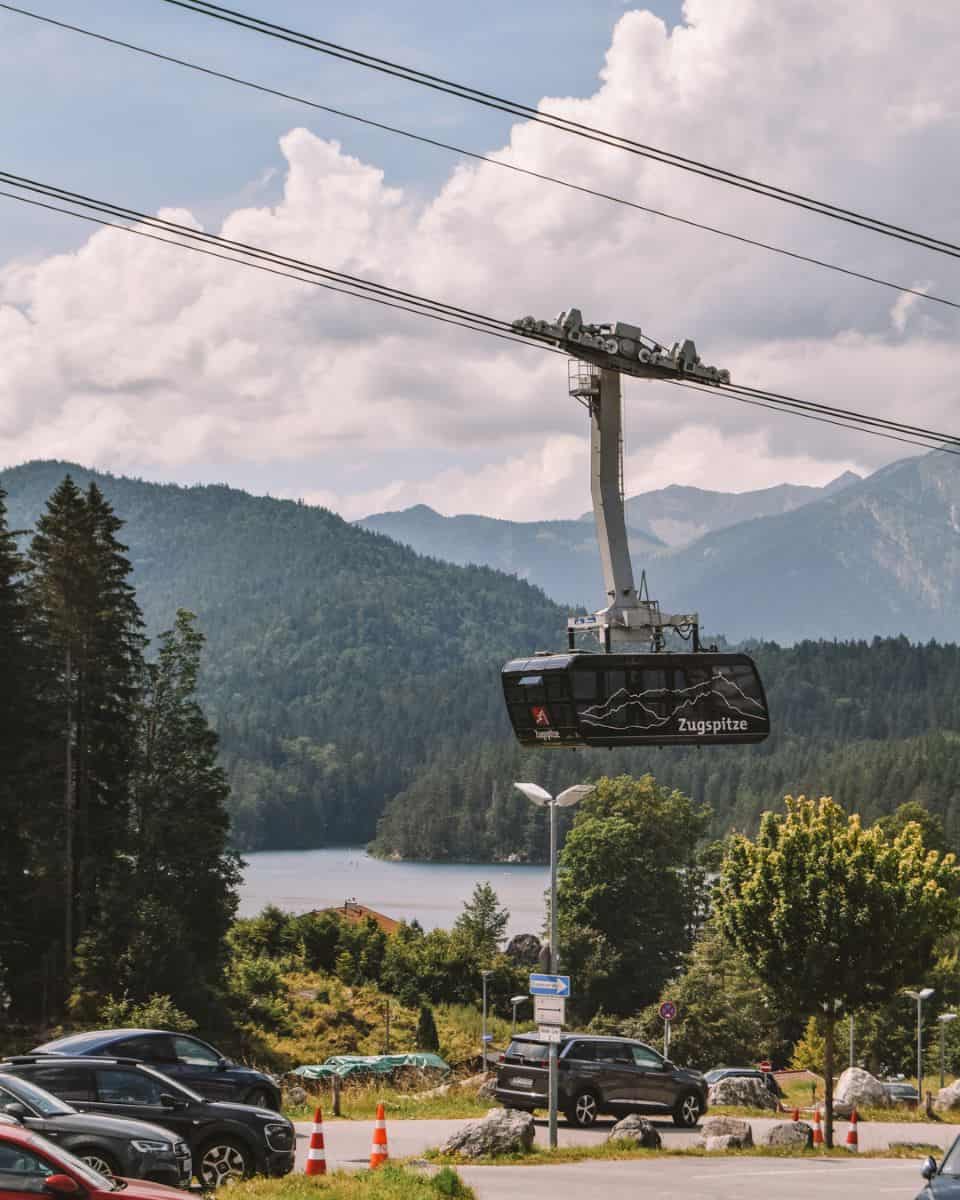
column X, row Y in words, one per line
column 948, row 1098
column 524, row 949
column 860, row 1089
column 725, row 1133
column 501, row 1131
column 787, row 1133
column 636, row 1129
column 742, row 1091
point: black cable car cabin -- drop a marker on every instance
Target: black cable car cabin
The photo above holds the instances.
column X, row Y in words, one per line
column 663, row 699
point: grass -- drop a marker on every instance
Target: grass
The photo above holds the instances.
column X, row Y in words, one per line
column 389, row 1183
column 359, row 1103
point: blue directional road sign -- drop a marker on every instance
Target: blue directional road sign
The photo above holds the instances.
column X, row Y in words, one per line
column 549, row 985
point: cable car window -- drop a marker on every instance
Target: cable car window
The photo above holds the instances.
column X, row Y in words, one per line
column 584, row 685
column 558, row 687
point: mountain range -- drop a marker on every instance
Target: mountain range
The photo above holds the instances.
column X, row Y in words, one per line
column 354, row 682
column 856, row 558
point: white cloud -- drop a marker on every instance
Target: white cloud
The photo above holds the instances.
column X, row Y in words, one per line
column 138, row 356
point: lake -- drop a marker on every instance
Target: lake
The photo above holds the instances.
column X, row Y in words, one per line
column 431, row 893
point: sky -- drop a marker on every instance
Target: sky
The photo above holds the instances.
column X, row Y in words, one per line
column 142, row 359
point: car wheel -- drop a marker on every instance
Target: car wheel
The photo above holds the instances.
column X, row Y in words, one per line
column 261, row 1098
column 584, row 1110
column 100, row 1162
column 688, row 1110
column 223, row 1160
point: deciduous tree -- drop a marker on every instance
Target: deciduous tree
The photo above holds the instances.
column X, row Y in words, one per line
column 830, row 913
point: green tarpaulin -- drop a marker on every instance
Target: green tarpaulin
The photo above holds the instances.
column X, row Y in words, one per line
column 346, row 1065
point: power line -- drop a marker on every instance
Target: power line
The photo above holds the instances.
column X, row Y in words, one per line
column 938, row 444
column 565, row 125
column 447, row 146
column 245, row 254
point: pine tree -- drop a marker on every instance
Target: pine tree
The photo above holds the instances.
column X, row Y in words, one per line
column 483, row 922
column 176, row 897
column 23, row 848
column 89, row 625
column 427, row 1036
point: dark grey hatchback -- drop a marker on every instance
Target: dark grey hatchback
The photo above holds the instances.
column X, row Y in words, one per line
column 600, row 1075
column 111, row 1145
column 943, row 1182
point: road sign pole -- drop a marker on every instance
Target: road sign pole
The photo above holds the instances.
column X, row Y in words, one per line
column 554, row 968
column 666, row 1039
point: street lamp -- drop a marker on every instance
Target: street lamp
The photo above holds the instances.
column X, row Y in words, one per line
column 543, row 799
column 923, row 994
column 484, row 975
column 944, row 1018
column 516, row 1001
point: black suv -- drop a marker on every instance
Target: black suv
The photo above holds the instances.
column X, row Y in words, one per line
column 600, row 1075
column 190, row 1061
column 227, row 1141
column 112, row 1146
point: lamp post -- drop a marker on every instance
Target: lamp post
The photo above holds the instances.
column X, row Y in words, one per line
column 541, row 797
column 484, row 975
column 944, row 1018
column 515, row 1002
column 920, row 996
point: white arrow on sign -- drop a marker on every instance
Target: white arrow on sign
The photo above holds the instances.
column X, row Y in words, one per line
column 550, row 985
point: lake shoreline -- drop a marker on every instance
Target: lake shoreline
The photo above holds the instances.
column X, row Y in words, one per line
column 430, row 892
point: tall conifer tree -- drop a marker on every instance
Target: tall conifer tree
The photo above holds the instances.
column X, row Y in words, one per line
column 90, row 626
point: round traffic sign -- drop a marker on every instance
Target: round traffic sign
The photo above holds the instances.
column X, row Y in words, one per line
column 766, row 1065
column 668, row 1011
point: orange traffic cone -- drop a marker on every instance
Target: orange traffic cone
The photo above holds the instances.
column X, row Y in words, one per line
column 817, row 1131
column 853, row 1142
column 316, row 1155
column 378, row 1151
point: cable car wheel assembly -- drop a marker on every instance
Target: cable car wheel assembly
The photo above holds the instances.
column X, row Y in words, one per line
column 637, row 690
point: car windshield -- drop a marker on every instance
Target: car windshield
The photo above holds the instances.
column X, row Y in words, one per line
column 951, row 1163
column 93, row 1179
column 34, row 1097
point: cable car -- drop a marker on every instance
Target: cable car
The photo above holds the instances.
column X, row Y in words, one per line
column 661, row 699
column 638, row 692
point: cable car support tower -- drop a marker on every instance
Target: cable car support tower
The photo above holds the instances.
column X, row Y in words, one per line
column 600, row 355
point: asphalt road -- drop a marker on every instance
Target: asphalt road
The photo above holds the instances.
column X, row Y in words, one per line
column 699, row 1179
column 348, row 1142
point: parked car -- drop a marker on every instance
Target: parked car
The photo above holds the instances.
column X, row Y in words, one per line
column 943, row 1182
column 111, row 1145
column 227, row 1141
column 902, row 1093
column 190, row 1061
column 599, row 1075
column 768, row 1077
column 30, row 1165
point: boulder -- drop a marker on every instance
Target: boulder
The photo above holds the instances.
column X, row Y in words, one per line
column 788, row 1133
column 295, row 1095
column 725, row 1133
column 742, row 1091
column 524, row 949
column 948, row 1098
column 501, row 1131
column 725, row 1141
column 860, row 1089
column 637, row 1130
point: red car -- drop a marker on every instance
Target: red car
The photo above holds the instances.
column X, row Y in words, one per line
column 31, row 1166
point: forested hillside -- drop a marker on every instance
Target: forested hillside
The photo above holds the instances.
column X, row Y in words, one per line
column 350, row 679
column 337, row 660
column 873, row 724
